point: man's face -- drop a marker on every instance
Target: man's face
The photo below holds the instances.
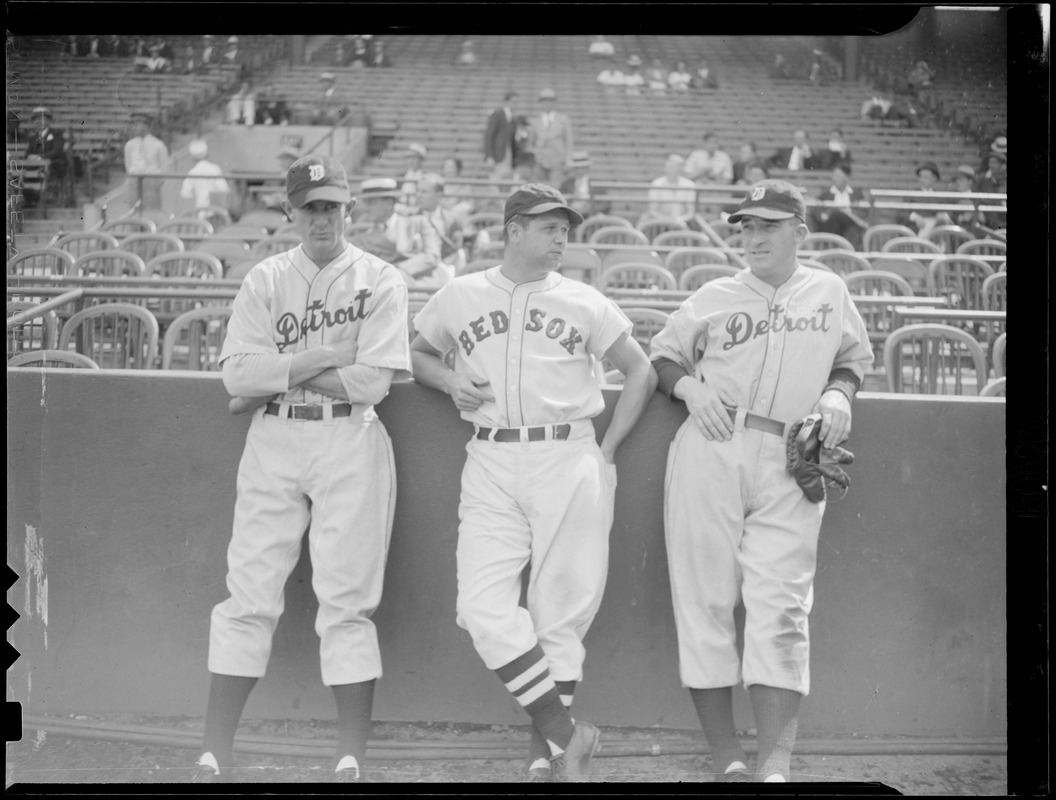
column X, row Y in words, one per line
column 926, row 178
column 139, row 128
column 672, row 168
column 547, row 105
column 800, row 138
column 414, row 161
column 746, row 152
column 379, row 209
column 964, row 183
column 754, row 174
column 543, row 240
column 839, row 177
column 428, row 197
column 710, row 144
column 997, row 166
column 321, row 226
column 770, row 245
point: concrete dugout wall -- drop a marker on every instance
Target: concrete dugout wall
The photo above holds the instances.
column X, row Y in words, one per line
column 120, row 495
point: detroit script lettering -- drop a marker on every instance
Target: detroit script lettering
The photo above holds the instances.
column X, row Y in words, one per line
column 741, row 327
column 292, row 329
column 496, row 322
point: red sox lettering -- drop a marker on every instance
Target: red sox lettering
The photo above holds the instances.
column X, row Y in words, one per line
column 316, row 317
column 500, row 323
column 742, row 327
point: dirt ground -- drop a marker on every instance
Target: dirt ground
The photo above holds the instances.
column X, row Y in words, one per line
column 52, row 758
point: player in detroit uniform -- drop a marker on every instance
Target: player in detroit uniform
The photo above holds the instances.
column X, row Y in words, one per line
column 536, row 487
column 315, row 338
column 749, row 355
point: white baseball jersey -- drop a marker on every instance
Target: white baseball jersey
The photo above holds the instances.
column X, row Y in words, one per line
column 738, row 527
column 536, row 343
column 547, row 503
column 343, row 465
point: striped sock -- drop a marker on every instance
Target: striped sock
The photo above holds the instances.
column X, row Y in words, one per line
column 528, row 679
column 539, row 749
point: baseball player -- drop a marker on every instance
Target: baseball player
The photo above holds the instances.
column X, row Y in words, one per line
column 315, row 338
column 749, row 355
column 536, row 488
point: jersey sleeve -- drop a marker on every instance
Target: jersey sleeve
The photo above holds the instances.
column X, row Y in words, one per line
column 249, row 330
column 384, row 339
column 430, row 324
column 610, row 324
column 682, row 340
column 855, row 353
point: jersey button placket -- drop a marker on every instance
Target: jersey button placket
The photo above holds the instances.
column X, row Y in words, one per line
column 513, row 401
column 768, row 380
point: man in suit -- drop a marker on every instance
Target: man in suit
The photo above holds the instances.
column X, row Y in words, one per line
column 48, row 143
column 798, row 157
column 550, row 141
column 576, row 187
column 498, row 138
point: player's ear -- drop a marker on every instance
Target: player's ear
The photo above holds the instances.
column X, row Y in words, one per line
column 348, row 209
column 287, row 208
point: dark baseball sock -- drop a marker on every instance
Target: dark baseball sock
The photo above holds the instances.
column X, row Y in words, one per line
column 715, row 711
column 776, row 717
column 538, row 747
column 227, row 699
column 355, row 707
column 528, row 679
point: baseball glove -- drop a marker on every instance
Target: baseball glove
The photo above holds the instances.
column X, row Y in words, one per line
column 814, row 466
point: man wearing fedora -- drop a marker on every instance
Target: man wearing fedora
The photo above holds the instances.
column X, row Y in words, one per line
column 498, row 138
column 576, row 187
column 405, row 241
column 550, row 140
column 48, row 143
column 928, row 177
column 995, row 179
column 145, row 154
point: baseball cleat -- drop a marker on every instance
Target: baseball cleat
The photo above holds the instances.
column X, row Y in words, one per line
column 347, row 771
column 737, row 772
column 207, row 770
column 585, row 740
column 540, row 771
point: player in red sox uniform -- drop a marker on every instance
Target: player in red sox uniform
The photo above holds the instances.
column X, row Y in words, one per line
column 315, row 338
column 749, row 355
column 536, row 487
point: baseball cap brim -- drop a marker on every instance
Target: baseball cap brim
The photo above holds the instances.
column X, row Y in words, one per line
column 332, row 194
column 762, row 213
column 573, row 216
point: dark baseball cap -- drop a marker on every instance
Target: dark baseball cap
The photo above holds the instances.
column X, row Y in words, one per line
column 772, row 199
column 538, row 198
column 316, row 178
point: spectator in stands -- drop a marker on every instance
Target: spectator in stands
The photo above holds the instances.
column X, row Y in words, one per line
column 779, row 69
column 360, row 52
column 678, row 79
column 271, row 108
column 379, row 57
column 798, row 157
column 709, row 164
column 882, row 108
column 156, row 61
column 327, row 111
column 704, row 77
column 457, row 197
column 672, row 194
column 117, row 46
column 498, row 138
column 48, row 143
column 633, row 79
column 964, row 181
column 145, row 154
column 919, row 80
column 923, row 221
column 835, row 152
column 999, row 145
column 416, row 155
column 746, row 157
column 995, row 180
column 612, row 77
column 208, row 57
column 550, row 141
column 274, row 200
column 204, row 183
column 407, row 242
column 577, row 189
column 467, row 56
column 656, row 78
column 234, row 56
column 601, row 48
column 817, row 76
column 753, row 173
column 841, row 220
column 242, row 106
column 448, row 226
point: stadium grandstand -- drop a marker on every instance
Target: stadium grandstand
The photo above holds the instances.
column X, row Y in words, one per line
column 248, row 97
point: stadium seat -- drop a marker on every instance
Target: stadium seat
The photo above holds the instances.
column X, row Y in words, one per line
column 191, row 230
column 77, row 244
column 647, row 323
column 268, row 218
column 825, row 241
column 581, row 262
column 994, row 388
column 913, row 270
column 931, row 358
column 41, row 262
column 274, row 245
column 655, row 226
column 949, row 237
column 194, row 339
column 683, row 258
column 52, row 359
column 910, row 244
column 129, row 226
column 682, row 238
column 36, row 334
column 186, row 264
column 994, row 294
column 617, row 234
column 113, row 335
column 149, row 245
column 982, row 247
column 638, row 276
column 960, row 279
column 843, row 262
column 695, row 277
column 109, row 263
column 810, row 262
column 878, row 283
column 998, row 355
column 876, row 235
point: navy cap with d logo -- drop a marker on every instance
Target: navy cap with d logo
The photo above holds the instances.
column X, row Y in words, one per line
column 317, row 178
column 772, row 199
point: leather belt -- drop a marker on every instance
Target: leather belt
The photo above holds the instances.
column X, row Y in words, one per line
column 758, row 422
column 539, row 434
column 310, row 412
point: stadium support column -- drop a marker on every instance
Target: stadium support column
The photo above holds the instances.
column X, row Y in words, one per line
column 850, row 58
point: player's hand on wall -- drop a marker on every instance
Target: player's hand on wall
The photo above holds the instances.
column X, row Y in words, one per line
column 707, row 406
column 835, row 410
column 467, row 393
